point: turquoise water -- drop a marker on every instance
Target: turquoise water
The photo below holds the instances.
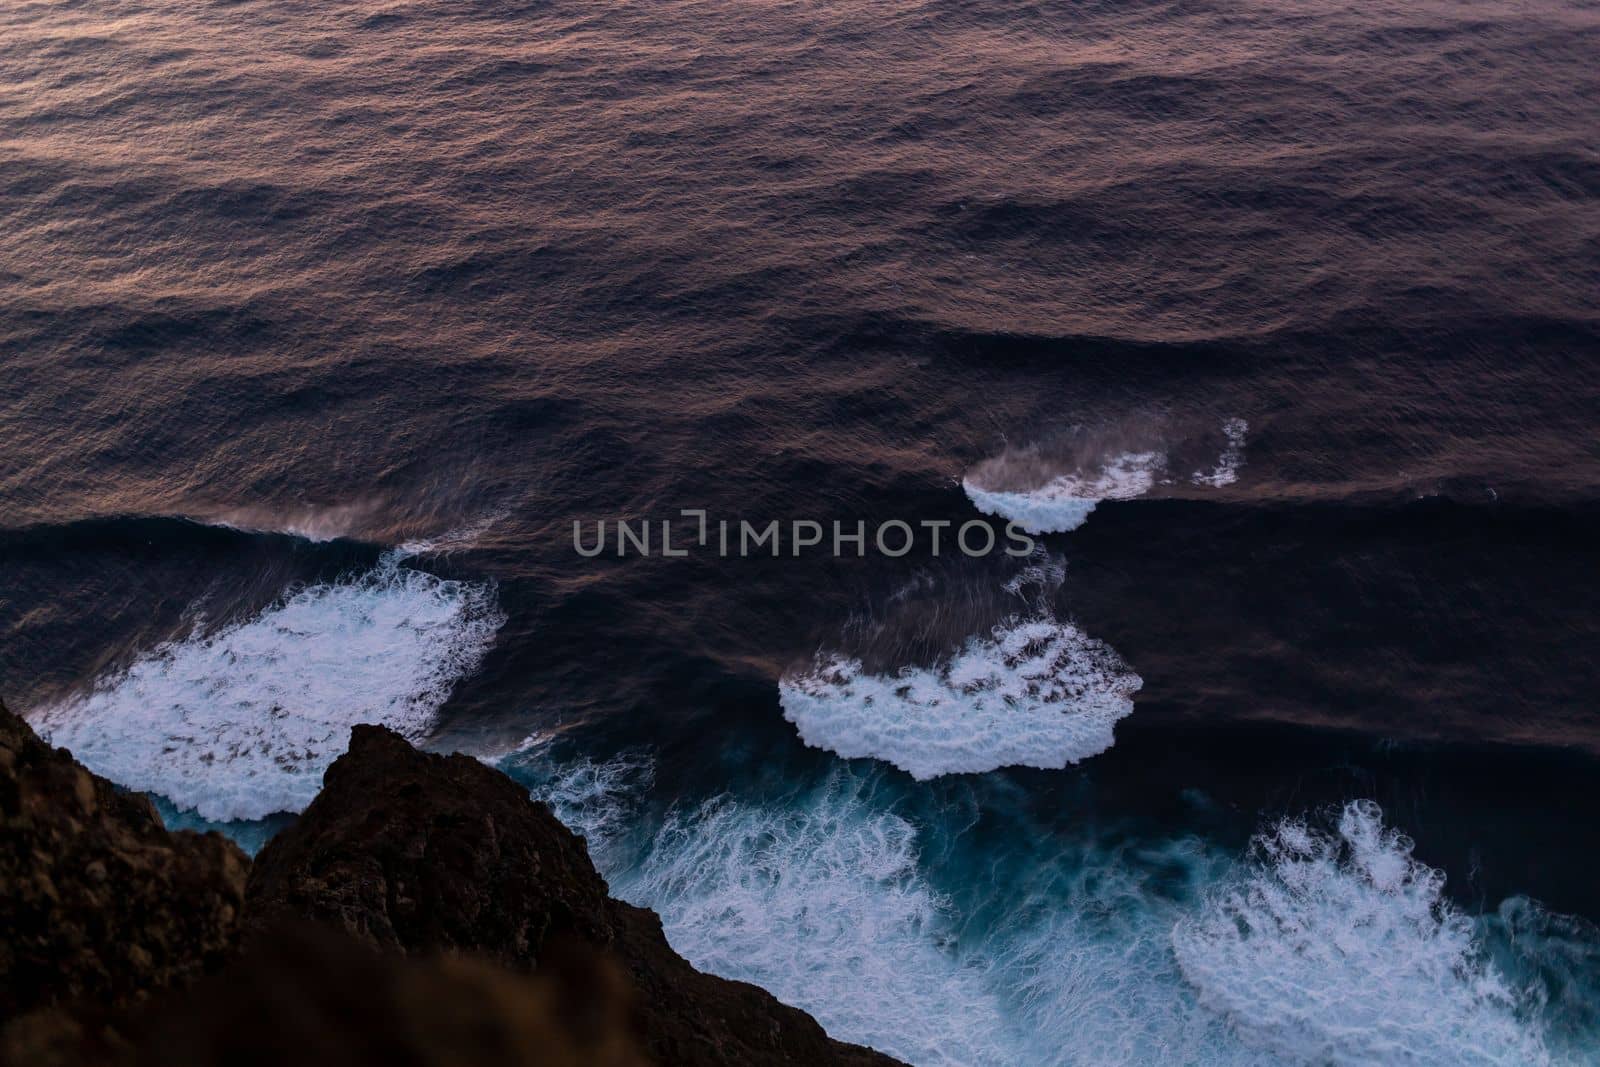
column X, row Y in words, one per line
column 945, row 923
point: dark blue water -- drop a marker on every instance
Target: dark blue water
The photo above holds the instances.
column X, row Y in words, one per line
column 321, row 327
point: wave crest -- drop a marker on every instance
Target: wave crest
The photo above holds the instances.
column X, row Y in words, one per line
column 1032, row 693
column 1340, row 948
column 241, row 722
column 1064, row 501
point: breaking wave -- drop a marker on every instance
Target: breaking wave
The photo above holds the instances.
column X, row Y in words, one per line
column 1340, row 948
column 860, row 902
column 1065, row 501
column 1033, row 693
column 240, row 722
column 1053, row 488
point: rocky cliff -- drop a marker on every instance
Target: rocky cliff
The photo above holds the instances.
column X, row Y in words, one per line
column 423, row 910
column 100, row 907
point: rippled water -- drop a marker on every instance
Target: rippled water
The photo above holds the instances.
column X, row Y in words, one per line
column 321, row 326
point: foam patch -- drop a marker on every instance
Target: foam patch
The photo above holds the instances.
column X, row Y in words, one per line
column 241, row 722
column 1033, row 693
column 1065, row 501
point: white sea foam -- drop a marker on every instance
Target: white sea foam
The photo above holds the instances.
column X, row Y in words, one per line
column 1051, row 494
column 1064, row 502
column 593, row 798
column 1226, row 472
column 241, row 722
column 1340, row 949
column 1033, row 693
column 827, row 901
column 1039, row 578
column 822, row 903
column 1091, row 955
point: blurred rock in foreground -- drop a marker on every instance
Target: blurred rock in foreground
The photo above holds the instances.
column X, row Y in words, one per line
column 423, row 911
column 416, row 852
column 100, row 907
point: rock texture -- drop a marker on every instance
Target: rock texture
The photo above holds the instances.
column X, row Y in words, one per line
column 423, row 911
column 100, row 906
column 420, row 853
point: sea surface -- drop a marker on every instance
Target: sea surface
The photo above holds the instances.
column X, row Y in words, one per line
column 1277, row 322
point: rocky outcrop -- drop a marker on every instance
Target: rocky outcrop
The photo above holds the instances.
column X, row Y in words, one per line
column 100, row 906
column 421, row 853
column 418, row 852
column 423, row 911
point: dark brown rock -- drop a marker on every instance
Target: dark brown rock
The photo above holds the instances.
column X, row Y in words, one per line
column 100, row 905
column 310, row 994
column 424, row 853
column 426, row 874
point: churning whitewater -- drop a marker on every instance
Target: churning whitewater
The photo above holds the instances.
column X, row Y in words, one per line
column 327, row 279
column 1034, row 692
column 1339, row 947
column 1320, row 946
column 240, row 722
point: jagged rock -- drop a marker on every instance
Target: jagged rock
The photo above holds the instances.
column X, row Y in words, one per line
column 424, row 853
column 421, row 869
column 100, row 905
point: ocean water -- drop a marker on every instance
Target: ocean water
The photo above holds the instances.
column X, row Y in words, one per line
column 1275, row 324
column 953, row 925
